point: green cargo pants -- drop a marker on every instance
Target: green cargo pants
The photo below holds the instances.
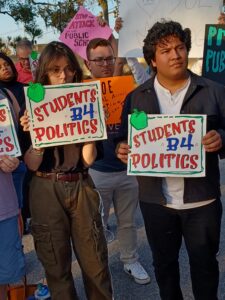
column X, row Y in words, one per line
column 63, row 212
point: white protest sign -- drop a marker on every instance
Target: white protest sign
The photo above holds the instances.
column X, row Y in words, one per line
column 33, row 58
column 8, row 138
column 166, row 145
column 65, row 114
column 140, row 15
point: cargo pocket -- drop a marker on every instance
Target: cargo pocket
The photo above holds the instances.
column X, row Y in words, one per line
column 43, row 244
column 99, row 240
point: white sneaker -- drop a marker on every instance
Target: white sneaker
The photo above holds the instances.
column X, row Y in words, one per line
column 138, row 273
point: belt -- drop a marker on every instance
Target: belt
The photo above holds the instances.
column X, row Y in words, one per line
column 61, row 176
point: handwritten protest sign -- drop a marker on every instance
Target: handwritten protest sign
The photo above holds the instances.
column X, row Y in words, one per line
column 8, row 138
column 193, row 14
column 214, row 54
column 166, row 145
column 81, row 29
column 114, row 91
column 65, row 114
column 33, row 59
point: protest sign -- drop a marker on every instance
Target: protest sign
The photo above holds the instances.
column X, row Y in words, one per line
column 8, row 138
column 139, row 16
column 65, row 114
column 81, row 29
column 214, row 53
column 166, row 145
column 114, row 92
column 33, row 59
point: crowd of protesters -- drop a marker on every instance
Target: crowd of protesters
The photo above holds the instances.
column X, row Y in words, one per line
column 76, row 180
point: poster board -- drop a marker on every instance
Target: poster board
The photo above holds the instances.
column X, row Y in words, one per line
column 67, row 114
column 8, row 137
column 114, row 92
column 139, row 16
column 33, row 59
column 81, row 29
column 166, row 145
column 214, row 53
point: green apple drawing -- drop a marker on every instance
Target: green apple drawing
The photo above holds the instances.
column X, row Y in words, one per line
column 36, row 92
column 139, row 119
column 34, row 55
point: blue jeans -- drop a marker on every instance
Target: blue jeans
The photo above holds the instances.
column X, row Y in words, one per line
column 200, row 228
column 12, row 263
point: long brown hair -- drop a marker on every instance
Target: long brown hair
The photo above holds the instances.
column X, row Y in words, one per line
column 52, row 52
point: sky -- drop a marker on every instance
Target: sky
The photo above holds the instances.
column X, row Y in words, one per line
column 8, row 27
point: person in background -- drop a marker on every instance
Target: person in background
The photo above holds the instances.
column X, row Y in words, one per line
column 61, row 183
column 21, row 177
column 12, row 264
column 139, row 72
column 23, row 50
column 9, row 83
column 221, row 19
column 176, row 208
column 119, row 61
column 9, row 79
column 109, row 174
column 13, row 90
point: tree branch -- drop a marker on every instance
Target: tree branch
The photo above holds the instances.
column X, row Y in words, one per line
column 44, row 3
column 6, row 13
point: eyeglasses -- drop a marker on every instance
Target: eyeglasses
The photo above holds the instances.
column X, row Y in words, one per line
column 101, row 61
column 23, row 59
column 58, row 71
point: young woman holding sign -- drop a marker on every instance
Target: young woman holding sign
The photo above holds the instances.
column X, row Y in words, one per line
column 64, row 205
column 12, row 264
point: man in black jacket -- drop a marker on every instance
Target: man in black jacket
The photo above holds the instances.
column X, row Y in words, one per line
column 180, row 207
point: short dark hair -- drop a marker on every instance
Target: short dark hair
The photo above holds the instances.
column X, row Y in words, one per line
column 10, row 62
column 52, row 52
column 159, row 33
column 94, row 43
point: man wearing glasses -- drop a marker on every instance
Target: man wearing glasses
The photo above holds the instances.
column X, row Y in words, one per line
column 110, row 175
column 23, row 50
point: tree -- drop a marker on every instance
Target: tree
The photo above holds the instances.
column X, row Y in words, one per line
column 23, row 12
column 55, row 14
column 3, row 47
column 8, row 46
column 58, row 14
column 14, row 42
column 105, row 9
column 32, row 29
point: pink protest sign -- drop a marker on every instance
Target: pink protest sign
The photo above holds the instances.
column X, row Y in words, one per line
column 81, row 29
